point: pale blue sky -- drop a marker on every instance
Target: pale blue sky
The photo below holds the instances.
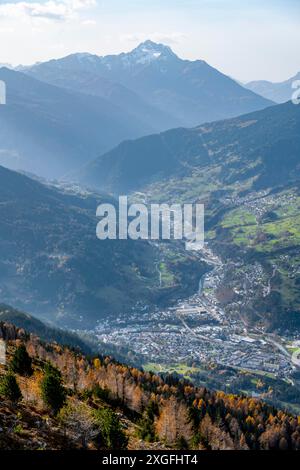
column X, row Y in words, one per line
column 247, row 39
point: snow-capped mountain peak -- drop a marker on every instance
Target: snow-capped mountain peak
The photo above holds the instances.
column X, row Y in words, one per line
column 147, row 52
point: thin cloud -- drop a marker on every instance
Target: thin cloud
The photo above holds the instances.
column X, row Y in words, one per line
column 55, row 10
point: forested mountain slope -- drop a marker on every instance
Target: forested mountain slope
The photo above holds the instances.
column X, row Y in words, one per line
column 170, row 410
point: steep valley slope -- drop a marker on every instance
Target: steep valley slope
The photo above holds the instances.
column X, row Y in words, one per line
column 52, row 264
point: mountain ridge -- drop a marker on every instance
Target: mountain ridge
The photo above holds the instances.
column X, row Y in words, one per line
column 134, row 163
column 279, row 92
column 190, row 91
column 49, row 130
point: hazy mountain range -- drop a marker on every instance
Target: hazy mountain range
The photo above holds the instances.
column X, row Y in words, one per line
column 85, row 117
column 49, row 130
column 63, row 113
column 190, row 92
column 278, row 92
column 162, row 130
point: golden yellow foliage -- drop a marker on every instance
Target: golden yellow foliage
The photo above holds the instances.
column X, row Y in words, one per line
column 97, row 363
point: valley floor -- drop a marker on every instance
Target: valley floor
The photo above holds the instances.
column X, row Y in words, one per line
column 202, row 338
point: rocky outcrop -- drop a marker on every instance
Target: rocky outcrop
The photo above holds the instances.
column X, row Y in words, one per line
column 9, row 332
